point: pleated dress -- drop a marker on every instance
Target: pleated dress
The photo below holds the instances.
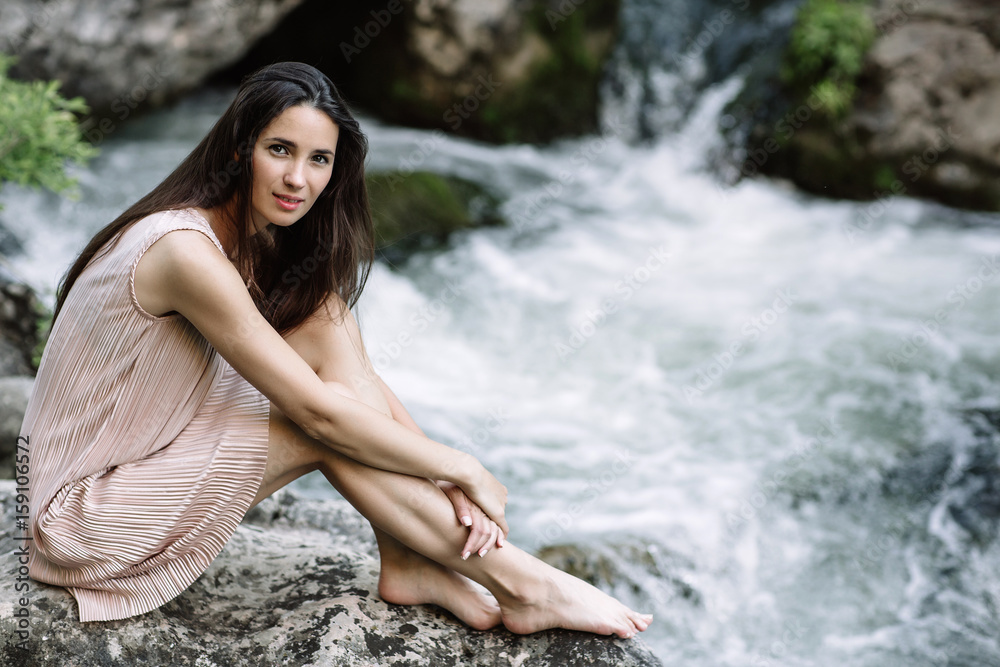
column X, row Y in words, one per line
column 146, row 447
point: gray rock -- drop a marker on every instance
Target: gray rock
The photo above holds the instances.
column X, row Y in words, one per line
column 121, row 54
column 20, row 311
column 296, row 585
column 14, row 392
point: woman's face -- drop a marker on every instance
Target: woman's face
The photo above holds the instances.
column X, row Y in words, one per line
column 292, row 163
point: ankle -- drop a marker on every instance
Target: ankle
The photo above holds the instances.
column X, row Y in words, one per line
column 523, row 591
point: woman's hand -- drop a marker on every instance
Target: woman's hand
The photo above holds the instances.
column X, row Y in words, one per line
column 484, row 532
column 483, row 489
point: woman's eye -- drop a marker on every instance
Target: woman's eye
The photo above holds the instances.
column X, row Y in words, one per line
column 322, row 159
column 279, row 149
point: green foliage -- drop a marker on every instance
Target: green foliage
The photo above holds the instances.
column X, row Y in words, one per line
column 39, row 133
column 827, row 49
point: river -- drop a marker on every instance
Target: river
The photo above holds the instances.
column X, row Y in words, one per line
column 775, row 415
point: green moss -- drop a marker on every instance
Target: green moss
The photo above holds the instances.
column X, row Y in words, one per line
column 420, row 210
column 884, row 177
column 826, row 51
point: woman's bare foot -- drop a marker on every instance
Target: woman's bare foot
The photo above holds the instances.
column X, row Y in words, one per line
column 563, row 601
column 414, row 579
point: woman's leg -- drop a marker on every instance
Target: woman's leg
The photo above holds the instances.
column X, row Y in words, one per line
column 405, row 576
column 332, row 347
column 531, row 594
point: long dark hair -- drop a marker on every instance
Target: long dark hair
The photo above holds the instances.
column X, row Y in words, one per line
column 289, row 271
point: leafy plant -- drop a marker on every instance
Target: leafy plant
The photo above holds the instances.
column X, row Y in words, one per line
column 39, row 133
column 826, row 51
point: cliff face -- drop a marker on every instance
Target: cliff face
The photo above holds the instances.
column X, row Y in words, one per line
column 925, row 121
column 296, row 585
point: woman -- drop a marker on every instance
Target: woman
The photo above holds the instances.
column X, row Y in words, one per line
column 196, row 365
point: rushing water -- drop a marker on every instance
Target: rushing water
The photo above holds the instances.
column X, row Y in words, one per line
column 775, row 412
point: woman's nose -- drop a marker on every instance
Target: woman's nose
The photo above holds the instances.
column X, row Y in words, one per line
column 294, row 177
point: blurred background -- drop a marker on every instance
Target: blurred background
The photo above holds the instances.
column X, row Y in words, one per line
column 710, row 285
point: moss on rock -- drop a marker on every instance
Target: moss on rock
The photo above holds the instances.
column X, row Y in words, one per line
column 420, row 210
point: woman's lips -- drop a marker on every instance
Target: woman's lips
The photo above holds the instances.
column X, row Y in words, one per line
column 288, row 203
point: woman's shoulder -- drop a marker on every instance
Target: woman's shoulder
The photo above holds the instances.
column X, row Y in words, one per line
column 172, row 216
column 153, row 226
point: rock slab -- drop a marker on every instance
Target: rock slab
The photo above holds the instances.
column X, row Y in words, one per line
column 296, row 585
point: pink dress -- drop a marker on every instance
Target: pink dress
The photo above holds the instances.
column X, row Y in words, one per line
column 146, row 447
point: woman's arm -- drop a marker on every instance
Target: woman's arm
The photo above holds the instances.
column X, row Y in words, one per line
column 184, row 272
column 399, row 413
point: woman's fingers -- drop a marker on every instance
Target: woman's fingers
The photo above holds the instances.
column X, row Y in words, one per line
column 459, row 501
column 484, row 531
column 484, row 535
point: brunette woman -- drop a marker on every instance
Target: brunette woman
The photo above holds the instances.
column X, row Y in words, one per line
column 203, row 355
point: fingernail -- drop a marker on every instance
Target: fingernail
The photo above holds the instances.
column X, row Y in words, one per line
column 501, row 539
column 466, row 555
column 482, row 552
column 466, row 521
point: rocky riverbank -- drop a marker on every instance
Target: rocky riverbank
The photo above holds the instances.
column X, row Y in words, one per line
column 296, row 585
column 924, row 120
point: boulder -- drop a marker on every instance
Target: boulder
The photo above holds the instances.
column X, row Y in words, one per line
column 123, row 54
column 420, row 210
column 296, row 585
column 925, row 120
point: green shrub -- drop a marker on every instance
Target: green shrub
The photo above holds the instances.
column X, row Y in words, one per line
column 39, row 133
column 826, row 51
